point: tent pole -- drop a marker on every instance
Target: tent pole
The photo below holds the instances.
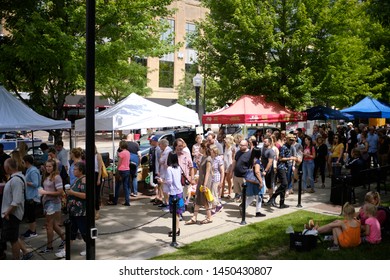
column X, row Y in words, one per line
column 114, row 167
column 32, row 142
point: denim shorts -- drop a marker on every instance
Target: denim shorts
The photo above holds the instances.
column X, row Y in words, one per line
column 50, row 208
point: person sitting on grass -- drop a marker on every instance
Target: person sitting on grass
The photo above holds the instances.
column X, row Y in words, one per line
column 371, row 231
column 346, row 233
column 372, row 197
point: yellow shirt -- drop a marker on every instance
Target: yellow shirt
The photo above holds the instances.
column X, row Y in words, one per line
column 337, row 150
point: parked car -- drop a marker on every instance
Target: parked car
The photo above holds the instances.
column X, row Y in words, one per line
column 10, row 140
column 187, row 134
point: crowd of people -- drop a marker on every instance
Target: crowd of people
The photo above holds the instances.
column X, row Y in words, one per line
column 58, row 185
column 218, row 166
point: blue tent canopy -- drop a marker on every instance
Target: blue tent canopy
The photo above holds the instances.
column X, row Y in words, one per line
column 326, row 113
column 368, row 108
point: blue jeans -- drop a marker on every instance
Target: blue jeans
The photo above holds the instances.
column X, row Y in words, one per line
column 134, row 179
column 308, row 171
column 290, row 177
column 125, row 175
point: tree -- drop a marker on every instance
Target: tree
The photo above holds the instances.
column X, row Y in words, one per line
column 294, row 52
column 44, row 52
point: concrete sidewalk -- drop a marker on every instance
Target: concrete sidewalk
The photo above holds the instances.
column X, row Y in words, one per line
column 140, row 231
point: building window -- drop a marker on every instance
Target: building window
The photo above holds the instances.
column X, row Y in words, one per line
column 166, row 74
column 169, row 34
column 190, row 29
column 166, row 69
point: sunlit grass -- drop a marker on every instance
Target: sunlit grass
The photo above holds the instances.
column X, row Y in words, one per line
column 268, row 240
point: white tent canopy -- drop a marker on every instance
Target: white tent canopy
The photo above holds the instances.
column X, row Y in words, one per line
column 186, row 114
column 15, row 116
column 135, row 112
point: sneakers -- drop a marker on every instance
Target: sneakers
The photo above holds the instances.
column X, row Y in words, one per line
column 27, row 256
column 29, row 234
column 283, row 206
column 46, row 250
column 258, row 214
column 165, row 209
column 311, row 190
column 62, row 245
column 334, row 247
column 83, row 253
column 162, row 205
column 218, row 208
column 328, row 238
column 61, row 254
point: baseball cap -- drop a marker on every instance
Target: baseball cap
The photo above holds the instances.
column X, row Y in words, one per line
column 154, row 138
column 349, row 123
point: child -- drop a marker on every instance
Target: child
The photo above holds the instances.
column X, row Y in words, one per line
column 372, row 229
column 373, row 198
column 346, row 233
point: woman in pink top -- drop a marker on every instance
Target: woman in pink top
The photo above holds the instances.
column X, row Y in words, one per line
column 309, row 154
column 124, row 172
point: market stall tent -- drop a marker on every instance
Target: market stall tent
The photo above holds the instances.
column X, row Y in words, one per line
column 326, row 113
column 249, row 109
column 185, row 113
column 368, row 107
column 135, row 112
column 17, row 116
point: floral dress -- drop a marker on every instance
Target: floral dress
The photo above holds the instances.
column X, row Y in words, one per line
column 77, row 206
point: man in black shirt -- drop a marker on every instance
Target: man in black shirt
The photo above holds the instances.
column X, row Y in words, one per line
column 239, row 167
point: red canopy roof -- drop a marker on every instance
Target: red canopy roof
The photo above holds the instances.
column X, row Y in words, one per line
column 249, row 109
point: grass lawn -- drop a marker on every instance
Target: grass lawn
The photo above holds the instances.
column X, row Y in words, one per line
column 268, row 240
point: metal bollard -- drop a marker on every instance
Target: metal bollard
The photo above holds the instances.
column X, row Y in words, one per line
column 174, row 209
column 299, row 188
column 68, row 225
column 243, row 222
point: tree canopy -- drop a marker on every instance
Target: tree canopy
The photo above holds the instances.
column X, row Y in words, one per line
column 295, row 52
column 43, row 51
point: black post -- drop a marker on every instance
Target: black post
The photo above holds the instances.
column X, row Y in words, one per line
column 243, row 210
column 174, row 209
column 68, row 225
column 90, row 127
column 197, row 93
column 299, row 187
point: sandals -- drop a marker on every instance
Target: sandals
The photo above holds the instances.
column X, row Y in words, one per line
column 206, row 221
column 191, row 222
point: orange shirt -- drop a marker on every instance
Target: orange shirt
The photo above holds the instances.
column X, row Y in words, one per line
column 350, row 237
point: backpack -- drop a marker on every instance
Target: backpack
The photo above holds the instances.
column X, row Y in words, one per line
column 386, row 226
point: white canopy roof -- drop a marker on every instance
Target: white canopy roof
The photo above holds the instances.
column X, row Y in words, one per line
column 185, row 113
column 135, row 112
column 15, row 115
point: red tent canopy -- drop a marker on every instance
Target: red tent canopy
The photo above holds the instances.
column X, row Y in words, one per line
column 249, row 109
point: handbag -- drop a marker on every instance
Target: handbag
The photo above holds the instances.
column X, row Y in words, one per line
column 209, row 196
column 250, row 176
column 103, row 166
column 183, row 180
column 303, row 242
